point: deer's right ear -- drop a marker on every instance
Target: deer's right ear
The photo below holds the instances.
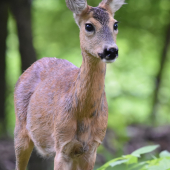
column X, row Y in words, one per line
column 77, row 6
column 112, row 5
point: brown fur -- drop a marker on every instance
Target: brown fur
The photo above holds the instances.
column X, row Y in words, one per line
column 61, row 109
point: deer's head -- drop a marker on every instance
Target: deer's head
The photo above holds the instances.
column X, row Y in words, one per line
column 98, row 28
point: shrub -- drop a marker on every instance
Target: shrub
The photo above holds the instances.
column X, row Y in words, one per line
column 131, row 162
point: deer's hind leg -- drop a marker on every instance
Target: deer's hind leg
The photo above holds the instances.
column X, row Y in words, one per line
column 23, row 148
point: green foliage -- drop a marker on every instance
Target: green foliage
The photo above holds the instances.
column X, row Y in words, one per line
column 131, row 161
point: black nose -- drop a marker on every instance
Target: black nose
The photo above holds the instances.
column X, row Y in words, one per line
column 111, row 53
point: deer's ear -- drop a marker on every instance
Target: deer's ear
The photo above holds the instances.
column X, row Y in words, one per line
column 77, row 6
column 112, row 5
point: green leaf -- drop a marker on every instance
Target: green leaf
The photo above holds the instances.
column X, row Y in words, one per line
column 107, row 164
column 153, row 161
column 132, row 160
column 164, row 164
column 164, row 154
column 141, row 164
column 144, row 150
column 118, row 162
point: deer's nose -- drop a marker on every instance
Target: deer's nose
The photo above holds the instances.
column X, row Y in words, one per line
column 110, row 54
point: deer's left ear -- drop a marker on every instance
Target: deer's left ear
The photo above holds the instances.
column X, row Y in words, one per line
column 112, row 5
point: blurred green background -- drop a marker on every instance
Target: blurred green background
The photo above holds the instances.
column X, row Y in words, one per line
column 137, row 84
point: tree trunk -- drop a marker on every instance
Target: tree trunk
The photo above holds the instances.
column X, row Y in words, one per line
column 22, row 12
column 3, row 35
column 160, row 75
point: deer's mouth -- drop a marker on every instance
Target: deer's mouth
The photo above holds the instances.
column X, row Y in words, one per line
column 109, row 61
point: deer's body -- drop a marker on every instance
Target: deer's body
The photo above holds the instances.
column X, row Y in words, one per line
column 61, row 109
column 78, row 124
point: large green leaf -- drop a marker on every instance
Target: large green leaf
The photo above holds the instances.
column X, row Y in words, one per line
column 144, row 150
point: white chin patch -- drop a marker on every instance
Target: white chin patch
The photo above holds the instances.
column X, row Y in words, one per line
column 109, row 61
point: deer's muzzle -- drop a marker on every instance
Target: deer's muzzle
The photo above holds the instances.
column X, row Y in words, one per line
column 109, row 54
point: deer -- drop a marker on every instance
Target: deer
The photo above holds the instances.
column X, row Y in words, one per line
column 61, row 109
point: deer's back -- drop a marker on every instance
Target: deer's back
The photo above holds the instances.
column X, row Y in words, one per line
column 47, row 73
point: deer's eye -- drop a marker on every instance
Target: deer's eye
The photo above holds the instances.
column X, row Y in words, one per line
column 115, row 25
column 89, row 27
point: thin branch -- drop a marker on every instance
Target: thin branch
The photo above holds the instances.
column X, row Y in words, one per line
column 159, row 76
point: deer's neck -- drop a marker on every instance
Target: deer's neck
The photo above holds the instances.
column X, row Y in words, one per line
column 89, row 88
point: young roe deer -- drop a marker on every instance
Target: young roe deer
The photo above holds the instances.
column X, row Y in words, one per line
column 61, row 109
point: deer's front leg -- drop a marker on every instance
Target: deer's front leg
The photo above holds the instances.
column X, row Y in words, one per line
column 81, row 162
column 60, row 163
